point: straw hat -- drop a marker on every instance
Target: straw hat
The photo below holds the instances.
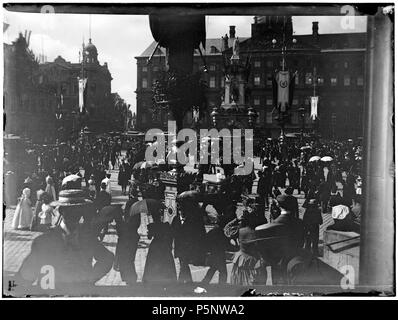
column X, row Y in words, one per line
column 72, row 197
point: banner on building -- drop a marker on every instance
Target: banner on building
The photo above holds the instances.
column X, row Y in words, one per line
column 283, row 82
column 314, row 107
column 82, row 88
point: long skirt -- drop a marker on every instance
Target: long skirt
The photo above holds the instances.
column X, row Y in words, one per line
column 159, row 265
column 247, row 270
column 23, row 216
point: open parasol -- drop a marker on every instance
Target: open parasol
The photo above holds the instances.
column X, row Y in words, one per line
column 73, row 178
column 314, row 158
column 148, row 165
column 149, row 207
column 137, row 166
column 327, row 158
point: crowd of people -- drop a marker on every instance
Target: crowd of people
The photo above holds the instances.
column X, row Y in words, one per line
column 262, row 223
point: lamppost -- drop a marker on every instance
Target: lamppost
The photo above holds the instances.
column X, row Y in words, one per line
column 214, row 114
column 301, row 111
column 284, row 82
column 73, row 114
column 334, row 117
column 252, row 114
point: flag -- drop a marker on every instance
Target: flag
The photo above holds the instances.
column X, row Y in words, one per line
column 82, row 88
column 283, row 84
column 314, row 107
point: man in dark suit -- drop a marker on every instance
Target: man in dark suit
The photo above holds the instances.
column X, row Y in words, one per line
column 281, row 240
column 293, row 202
column 103, row 198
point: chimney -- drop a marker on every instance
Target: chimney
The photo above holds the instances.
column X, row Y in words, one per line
column 232, row 31
column 315, row 28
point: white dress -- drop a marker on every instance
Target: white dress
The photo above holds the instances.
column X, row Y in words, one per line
column 23, row 215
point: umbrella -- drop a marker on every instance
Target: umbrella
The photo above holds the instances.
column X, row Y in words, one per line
column 108, row 214
column 148, row 164
column 314, row 158
column 137, row 166
column 74, row 178
column 327, row 158
column 150, row 207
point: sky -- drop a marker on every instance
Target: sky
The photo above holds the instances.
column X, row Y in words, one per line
column 119, row 38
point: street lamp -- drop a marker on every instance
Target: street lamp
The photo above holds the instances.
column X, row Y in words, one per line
column 214, row 114
column 283, row 114
column 301, row 111
column 252, row 114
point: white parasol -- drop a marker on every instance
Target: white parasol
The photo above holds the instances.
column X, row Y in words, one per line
column 327, row 158
column 314, row 158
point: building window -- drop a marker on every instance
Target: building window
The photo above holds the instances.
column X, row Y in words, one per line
column 93, row 88
column 222, row 82
column 308, row 78
column 345, row 64
column 297, row 79
column 144, row 83
column 64, row 88
column 260, row 116
column 257, row 101
column 144, row 69
column 257, row 64
column 212, row 82
column 360, row 81
column 270, row 63
column 295, row 102
column 257, row 80
column 295, row 117
column 155, row 69
column 335, row 65
column 321, row 81
column 212, row 67
column 269, row 79
column 346, row 80
column 143, row 118
column 269, row 117
column 333, row 81
column 269, row 102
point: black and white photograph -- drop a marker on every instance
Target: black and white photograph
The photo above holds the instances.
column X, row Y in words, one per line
column 198, row 150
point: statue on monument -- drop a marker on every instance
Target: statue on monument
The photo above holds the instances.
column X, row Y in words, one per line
column 235, row 48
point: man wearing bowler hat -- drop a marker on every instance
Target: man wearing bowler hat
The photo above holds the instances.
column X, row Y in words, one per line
column 280, row 240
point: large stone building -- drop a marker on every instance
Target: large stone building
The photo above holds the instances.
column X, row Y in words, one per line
column 331, row 65
column 29, row 104
column 41, row 100
column 63, row 75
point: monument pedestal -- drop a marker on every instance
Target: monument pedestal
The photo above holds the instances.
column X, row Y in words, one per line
column 169, row 179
